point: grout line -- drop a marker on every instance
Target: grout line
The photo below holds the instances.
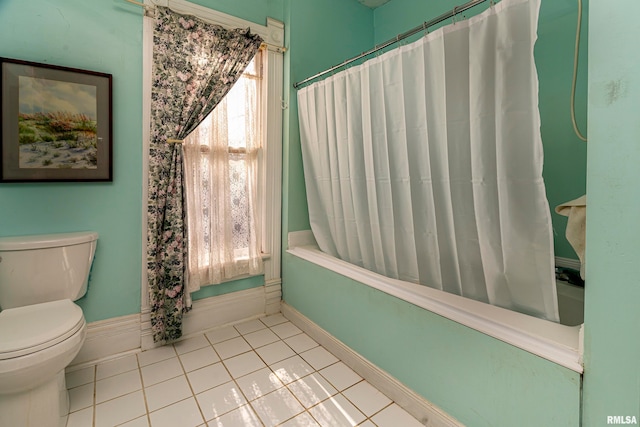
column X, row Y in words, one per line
column 285, row 386
column 376, row 413
column 234, row 380
column 144, row 392
column 193, row 394
column 95, row 394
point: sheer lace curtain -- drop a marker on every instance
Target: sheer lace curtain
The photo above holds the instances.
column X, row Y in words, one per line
column 221, row 168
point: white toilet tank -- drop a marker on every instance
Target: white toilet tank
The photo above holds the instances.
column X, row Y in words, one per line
column 44, row 268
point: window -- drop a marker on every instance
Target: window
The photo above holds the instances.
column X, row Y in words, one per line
column 222, row 159
column 270, row 180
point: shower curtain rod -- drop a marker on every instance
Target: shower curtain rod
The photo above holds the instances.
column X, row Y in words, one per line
column 425, row 25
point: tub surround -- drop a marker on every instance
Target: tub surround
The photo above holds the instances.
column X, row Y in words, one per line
column 555, row 342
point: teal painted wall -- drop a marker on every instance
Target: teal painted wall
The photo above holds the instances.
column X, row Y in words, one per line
column 319, row 35
column 565, row 155
column 251, row 10
column 612, row 318
column 103, row 36
column 475, row 378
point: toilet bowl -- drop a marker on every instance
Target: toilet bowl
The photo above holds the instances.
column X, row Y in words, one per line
column 40, row 338
column 39, row 341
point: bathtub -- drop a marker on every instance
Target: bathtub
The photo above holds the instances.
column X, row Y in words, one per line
column 560, row 343
column 570, row 303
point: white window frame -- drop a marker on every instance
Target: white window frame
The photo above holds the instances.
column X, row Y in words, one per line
column 271, row 175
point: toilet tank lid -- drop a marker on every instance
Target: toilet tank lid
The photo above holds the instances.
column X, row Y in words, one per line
column 42, row 241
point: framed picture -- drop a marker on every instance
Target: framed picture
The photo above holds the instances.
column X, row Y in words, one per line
column 55, row 123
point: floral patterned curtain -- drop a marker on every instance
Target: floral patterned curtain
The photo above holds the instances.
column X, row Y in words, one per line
column 195, row 64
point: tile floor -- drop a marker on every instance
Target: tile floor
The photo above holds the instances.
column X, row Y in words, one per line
column 264, row 372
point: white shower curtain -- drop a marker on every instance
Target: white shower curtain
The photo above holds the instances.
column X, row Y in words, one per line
column 425, row 163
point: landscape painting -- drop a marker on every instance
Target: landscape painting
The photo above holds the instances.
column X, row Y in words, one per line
column 55, row 123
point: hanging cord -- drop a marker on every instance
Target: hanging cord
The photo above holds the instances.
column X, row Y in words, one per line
column 575, row 75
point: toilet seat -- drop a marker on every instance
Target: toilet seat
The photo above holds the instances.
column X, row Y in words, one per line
column 28, row 329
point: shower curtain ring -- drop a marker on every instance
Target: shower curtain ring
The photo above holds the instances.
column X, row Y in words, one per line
column 455, row 12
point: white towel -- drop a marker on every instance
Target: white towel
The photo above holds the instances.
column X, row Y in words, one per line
column 576, row 210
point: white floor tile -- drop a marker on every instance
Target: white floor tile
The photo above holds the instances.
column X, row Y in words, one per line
column 184, row 414
column 302, row 420
column 80, row 377
column 191, row 344
column 261, row 338
column 199, row 358
column 259, row 383
column 244, row 416
column 312, row 389
column 116, row 366
column 301, row 342
column 161, row 371
column 208, row 377
column 274, row 319
column 340, row 376
column 156, row 355
column 291, row 369
column 394, row 416
column 286, row 330
column 120, row 410
column 244, row 364
column 117, row 385
column 138, row 422
column 222, row 334
column 275, row 352
column 83, row 418
column 276, row 407
column 250, row 326
column 232, row 347
column 81, row 397
column 367, row 398
column 220, row 400
column 319, row 358
column 167, row 393
column 338, row 412
column 267, row 362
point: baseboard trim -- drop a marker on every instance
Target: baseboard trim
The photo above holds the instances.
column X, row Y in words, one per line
column 119, row 336
column 273, row 296
column 423, row 410
column 109, row 338
column 213, row 312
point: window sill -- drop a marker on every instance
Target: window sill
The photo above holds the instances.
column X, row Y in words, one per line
column 264, row 256
column 552, row 341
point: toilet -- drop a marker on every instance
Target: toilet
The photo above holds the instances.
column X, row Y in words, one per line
column 41, row 328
